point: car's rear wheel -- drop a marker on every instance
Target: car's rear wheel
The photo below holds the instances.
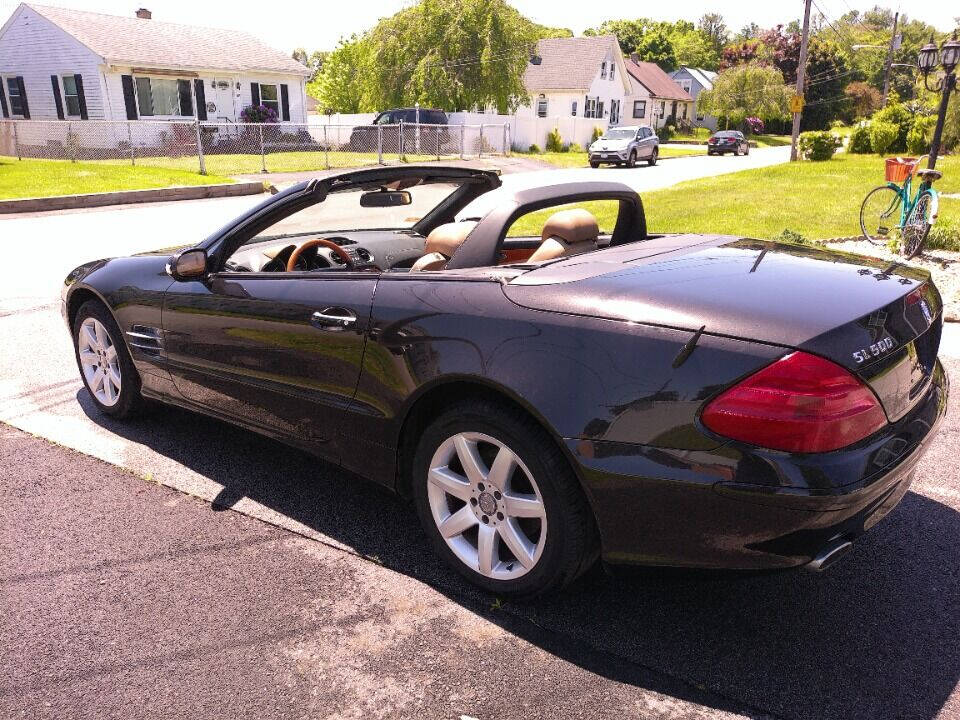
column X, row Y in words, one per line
column 500, row 502
column 105, row 365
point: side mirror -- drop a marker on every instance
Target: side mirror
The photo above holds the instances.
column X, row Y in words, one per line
column 189, row 264
column 385, row 198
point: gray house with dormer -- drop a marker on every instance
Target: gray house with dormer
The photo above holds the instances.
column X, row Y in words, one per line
column 695, row 81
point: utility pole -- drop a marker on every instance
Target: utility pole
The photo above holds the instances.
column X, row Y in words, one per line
column 801, row 72
column 888, row 64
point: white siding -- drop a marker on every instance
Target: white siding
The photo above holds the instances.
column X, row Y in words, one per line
column 35, row 49
column 298, row 113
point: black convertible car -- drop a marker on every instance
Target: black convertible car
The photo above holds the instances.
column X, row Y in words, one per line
column 547, row 379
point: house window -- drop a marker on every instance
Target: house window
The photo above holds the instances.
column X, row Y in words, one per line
column 542, row 107
column 612, row 68
column 600, row 108
column 590, row 107
column 160, row 97
column 639, row 108
column 13, row 95
column 684, row 113
column 663, row 108
column 614, row 112
column 269, row 97
column 685, row 84
column 573, row 108
column 603, row 70
column 71, row 98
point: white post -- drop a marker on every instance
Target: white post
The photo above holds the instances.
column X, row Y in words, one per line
column 203, row 164
column 71, row 148
column 480, row 145
column 326, row 145
column 380, row 144
column 400, row 144
column 133, row 160
column 16, row 141
column 463, row 140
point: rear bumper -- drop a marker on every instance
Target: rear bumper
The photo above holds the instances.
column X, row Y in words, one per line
column 741, row 507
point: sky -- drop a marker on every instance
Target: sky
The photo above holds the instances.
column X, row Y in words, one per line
column 319, row 24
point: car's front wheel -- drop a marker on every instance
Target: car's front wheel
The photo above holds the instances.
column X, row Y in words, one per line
column 632, row 161
column 652, row 160
column 594, row 165
column 499, row 501
column 105, row 365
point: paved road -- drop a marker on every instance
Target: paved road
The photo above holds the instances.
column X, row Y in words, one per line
column 340, row 607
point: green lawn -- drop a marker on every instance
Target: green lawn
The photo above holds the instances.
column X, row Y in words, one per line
column 816, row 199
column 45, row 178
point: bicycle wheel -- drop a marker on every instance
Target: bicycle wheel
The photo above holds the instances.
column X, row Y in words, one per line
column 917, row 227
column 879, row 214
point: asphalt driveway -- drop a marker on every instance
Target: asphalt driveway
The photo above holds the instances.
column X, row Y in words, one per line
column 319, row 596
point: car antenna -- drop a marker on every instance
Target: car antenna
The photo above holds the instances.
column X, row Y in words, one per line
column 687, row 349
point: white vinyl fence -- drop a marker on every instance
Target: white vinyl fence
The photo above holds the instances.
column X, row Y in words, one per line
column 241, row 148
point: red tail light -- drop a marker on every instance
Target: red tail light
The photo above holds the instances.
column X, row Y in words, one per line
column 801, row 403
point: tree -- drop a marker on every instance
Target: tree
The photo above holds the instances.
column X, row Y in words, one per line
column 864, row 99
column 827, row 74
column 740, row 54
column 341, row 85
column 747, row 32
column 781, row 48
column 313, row 60
column 629, row 32
column 656, row 46
column 714, row 29
column 667, row 44
column 744, row 91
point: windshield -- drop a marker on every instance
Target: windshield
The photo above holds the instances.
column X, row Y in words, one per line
column 727, row 134
column 619, row 134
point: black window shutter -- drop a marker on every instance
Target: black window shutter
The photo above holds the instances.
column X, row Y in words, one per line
column 81, row 96
column 198, row 90
column 284, row 103
column 254, row 94
column 186, row 99
column 23, row 98
column 128, row 98
column 3, row 101
column 57, row 100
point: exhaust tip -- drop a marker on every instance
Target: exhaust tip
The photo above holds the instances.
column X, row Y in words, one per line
column 827, row 556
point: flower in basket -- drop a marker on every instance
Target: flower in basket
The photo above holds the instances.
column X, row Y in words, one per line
column 258, row 114
column 755, row 124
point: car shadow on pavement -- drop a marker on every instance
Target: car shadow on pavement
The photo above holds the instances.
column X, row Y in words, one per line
column 878, row 635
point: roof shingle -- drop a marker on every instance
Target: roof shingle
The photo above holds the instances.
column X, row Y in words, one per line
column 569, row 63
column 153, row 43
column 656, row 80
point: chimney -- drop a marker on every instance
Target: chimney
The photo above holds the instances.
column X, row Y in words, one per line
column 633, row 56
column 144, row 14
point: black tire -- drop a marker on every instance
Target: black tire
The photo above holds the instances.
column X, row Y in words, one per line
column 632, row 160
column 746, row 150
column 918, row 226
column 594, row 165
column 880, row 214
column 571, row 544
column 129, row 400
column 653, row 157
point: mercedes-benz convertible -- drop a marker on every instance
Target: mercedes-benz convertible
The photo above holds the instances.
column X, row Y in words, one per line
column 548, row 380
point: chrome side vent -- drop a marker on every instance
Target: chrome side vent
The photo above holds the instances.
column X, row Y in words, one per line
column 148, row 340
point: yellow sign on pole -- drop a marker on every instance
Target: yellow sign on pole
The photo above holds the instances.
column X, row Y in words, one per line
column 796, row 103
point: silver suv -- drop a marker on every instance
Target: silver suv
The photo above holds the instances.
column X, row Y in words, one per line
column 625, row 145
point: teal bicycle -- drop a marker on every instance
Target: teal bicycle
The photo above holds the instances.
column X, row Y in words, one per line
column 891, row 208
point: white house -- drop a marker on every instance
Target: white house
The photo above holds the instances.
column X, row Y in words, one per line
column 74, row 65
column 654, row 96
column 575, row 84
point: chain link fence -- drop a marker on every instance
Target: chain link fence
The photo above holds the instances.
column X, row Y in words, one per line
column 247, row 148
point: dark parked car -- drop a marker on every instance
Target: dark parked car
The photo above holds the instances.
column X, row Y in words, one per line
column 545, row 396
column 728, row 141
column 417, row 139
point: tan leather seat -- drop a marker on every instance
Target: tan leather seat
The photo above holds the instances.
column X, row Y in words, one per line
column 567, row 232
column 442, row 243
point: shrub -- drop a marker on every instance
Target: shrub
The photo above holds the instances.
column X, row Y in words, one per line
column 859, row 142
column 918, row 139
column 755, row 125
column 596, row 135
column 788, row 235
column 818, row 145
column 837, row 124
column 575, row 147
column 883, row 136
column 899, row 115
column 534, row 149
column 554, row 141
column 258, row 114
column 666, row 132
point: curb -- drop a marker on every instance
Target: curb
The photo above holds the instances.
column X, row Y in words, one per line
column 128, row 197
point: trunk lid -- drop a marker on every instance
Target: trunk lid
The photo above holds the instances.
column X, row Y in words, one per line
column 880, row 320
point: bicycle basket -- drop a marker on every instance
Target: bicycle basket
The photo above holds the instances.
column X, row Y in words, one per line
column 899, row 169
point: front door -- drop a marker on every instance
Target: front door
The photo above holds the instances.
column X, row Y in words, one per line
column 254, row 347
column 223, row 97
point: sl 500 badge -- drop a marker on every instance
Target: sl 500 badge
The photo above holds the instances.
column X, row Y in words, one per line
column 875, row 350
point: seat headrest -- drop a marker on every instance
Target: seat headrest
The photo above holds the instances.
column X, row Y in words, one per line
column 446, row 238
column 571, row 226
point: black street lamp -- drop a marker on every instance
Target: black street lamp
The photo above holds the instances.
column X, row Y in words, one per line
column 947, row 56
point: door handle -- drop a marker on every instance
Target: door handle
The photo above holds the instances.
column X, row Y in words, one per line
column 333, row 318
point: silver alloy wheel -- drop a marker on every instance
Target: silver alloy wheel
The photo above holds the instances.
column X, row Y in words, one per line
column 487, row 505
column 99, row 361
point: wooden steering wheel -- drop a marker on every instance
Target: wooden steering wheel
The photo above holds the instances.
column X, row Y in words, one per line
column 319, row 242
